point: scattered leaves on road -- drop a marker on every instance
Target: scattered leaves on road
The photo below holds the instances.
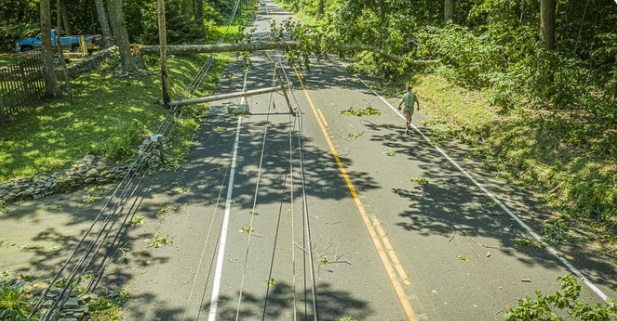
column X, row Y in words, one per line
column 419, row 180
column 368, row 111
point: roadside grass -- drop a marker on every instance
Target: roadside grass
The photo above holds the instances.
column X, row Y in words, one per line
column 306, row 18
column 108, row 117
column 7, row 59
column 533, row 151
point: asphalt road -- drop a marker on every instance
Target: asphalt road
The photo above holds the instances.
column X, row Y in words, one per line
column 322, row 215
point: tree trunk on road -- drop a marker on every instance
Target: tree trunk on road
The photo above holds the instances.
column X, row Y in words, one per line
column 256, row 46
column 118, row 25
column 104, row 22
column 51, row 82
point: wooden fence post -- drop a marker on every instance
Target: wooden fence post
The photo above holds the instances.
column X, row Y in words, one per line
column 2, row 115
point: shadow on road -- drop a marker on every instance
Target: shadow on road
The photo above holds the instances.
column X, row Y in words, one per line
column 449, row 202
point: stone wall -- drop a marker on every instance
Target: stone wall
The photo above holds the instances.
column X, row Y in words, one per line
column 91, row 63
column 88, row 171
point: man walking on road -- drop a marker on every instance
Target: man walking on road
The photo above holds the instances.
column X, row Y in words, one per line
column 409, row 99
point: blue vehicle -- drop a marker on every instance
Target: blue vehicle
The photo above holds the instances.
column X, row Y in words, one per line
column 67, row 42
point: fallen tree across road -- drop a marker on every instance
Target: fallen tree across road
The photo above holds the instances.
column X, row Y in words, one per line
column 256, row 46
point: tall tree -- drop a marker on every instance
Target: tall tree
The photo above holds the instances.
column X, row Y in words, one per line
column 118, row 25
column 448, row 10
column 49, row 74
column 103, row 22
column 186, row 6
column 199, row 12
column 65, row 18
column 548, row 13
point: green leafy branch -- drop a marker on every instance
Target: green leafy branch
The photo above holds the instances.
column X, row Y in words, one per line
column 566, row 300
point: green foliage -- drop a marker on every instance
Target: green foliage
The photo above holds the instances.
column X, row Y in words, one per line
column 180, row 28
column 18, row 19
column 419, row 180
column 311, row 40
column 123, row 140
column 390, row 153
column 247, row 230
column 9, row 33
column 528, row 243
column 108, row 115
column 136, row 221
column 105, row 309
column 472, row 61
column 161, row 241
column 119, row 296
column 566, row 301
column 13, row 306
column 567, row 157
column 367, row 111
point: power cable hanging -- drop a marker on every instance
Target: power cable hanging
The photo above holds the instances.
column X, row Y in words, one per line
column 253, row 209
column 256, row 195
column 292, row 198
column 305, row 210
column 205, row 246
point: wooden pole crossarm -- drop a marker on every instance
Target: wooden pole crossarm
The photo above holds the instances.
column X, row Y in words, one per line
column 278, row 76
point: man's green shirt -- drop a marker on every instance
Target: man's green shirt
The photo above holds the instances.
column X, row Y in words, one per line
column 409, row 99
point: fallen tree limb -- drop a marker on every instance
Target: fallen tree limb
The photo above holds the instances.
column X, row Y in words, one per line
column 256, row 46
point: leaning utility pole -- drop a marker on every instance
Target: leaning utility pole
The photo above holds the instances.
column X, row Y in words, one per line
column 163, row 44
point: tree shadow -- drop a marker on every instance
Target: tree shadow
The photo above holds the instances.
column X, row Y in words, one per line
column 279, row 302
column 449, row 202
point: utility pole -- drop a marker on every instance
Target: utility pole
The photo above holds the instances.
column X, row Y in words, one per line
column 163, row 45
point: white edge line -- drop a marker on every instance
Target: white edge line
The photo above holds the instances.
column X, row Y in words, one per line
column 537, row 237
column 223, row 238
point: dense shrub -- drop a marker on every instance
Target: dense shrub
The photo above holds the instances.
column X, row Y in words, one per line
column 123, row 142
column 180, row 28
column 567, row 301
column 9, row 33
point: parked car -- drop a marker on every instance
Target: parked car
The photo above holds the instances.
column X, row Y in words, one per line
column 67, row 42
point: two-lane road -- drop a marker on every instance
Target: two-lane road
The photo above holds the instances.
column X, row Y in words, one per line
column 324, row 215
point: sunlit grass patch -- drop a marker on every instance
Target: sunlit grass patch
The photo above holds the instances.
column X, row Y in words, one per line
column 108, row 117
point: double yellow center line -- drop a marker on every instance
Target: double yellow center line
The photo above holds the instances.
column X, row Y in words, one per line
column 390, row 261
